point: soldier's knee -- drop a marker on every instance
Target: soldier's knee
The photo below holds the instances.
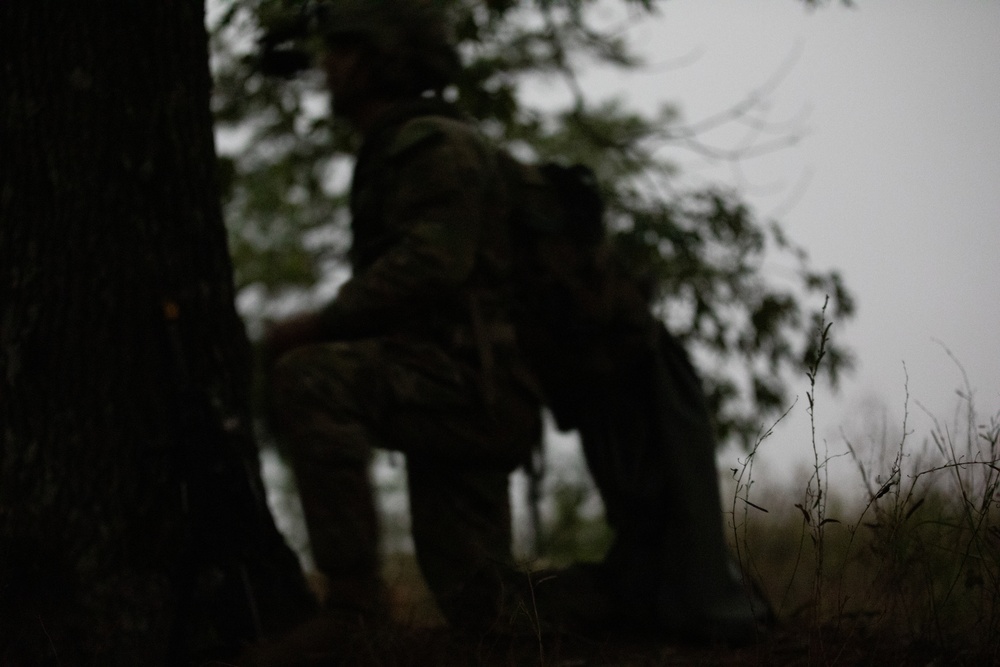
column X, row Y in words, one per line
column 299, row 384
column 313, row 408
column 288, row 372
column 283, row 380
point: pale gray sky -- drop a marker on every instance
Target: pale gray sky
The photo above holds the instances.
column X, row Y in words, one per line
column 901, row 166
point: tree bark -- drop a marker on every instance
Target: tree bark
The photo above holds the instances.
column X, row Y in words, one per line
column 132, row 524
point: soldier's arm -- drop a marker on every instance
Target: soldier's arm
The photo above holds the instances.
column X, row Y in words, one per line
column 435, row 205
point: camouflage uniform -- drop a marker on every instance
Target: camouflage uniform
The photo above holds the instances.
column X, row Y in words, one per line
column 420, row 360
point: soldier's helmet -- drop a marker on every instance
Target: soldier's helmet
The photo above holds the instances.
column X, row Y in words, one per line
column 408, row 41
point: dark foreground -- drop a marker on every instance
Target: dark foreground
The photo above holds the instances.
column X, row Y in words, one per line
column 788, row 645
column 418, row 638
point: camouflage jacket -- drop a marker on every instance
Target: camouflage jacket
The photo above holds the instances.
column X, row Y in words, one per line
column 430, row 254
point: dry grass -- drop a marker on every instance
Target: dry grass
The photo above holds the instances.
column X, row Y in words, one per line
column 910, row 570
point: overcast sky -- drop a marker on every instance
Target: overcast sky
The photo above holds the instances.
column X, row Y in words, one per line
column 900, row 166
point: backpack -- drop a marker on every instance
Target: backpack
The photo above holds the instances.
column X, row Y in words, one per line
column 578, row 315
column 608, row 368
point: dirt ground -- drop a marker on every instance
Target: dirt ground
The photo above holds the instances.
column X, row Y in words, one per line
column 420, row 639
column 439, row 647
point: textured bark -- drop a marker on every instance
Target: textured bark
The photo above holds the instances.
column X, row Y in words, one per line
column 128, row 526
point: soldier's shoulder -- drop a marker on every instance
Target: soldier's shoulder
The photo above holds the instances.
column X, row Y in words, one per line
column 427, row 131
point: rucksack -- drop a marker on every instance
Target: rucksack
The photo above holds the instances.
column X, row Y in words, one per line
column 609, row 369
column 578, row 314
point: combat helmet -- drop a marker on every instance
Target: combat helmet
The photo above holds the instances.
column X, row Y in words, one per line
column 408, row 41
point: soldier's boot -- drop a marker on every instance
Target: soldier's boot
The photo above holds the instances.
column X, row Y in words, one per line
column 576, row 600
column 733, row 612
column 668, row 594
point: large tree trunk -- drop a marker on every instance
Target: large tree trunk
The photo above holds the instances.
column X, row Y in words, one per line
column 132, row 528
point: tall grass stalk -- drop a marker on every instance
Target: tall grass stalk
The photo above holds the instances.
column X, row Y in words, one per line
column 913, row 571
column 815, row 502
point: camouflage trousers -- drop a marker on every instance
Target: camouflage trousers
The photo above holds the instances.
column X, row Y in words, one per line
column 334, row 403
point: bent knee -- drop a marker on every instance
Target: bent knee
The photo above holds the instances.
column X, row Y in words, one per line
column 328, row 378
column 291, row 368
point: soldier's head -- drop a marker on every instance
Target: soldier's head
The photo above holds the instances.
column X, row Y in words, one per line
column 389, row 49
